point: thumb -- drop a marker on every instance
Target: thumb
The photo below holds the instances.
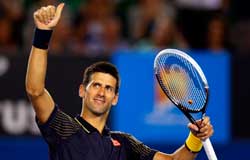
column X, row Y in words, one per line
column 193, row 127
column 59, row 9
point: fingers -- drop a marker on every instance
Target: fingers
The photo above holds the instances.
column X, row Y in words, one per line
column 48, row 17
column 51, row 12
column 45, row 14
column 205, row 121
column 193, row 127
column 38, row 16
column 206, row 129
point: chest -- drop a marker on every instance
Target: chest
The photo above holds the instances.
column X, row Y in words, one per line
column 92, row 147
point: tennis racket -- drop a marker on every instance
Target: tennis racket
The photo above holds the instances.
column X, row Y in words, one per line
column 184, row 83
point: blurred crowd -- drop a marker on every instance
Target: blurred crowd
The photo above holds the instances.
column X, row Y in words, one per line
column 100, row 27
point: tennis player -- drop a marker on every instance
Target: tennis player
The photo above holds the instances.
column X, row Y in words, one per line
column 86, row 137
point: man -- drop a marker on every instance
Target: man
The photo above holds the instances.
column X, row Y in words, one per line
column 86, row 137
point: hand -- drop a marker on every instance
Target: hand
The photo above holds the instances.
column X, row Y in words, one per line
column 205, row 129
column 46, row 18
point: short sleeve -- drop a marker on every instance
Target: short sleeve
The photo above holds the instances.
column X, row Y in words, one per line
column 58, row 127
column 139, row 150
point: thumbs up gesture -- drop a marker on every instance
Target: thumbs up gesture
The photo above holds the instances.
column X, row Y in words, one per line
column 46, row 18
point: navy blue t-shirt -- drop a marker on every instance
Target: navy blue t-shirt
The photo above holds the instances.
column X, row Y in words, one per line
column 75, row 139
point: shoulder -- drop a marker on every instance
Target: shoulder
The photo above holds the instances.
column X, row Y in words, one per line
column 60, row 123
column 120, row 134
column 62, row 118
column 125, row 137
column 135, row 147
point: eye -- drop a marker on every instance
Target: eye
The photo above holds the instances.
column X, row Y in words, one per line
column 96, row 85
column 109, row 89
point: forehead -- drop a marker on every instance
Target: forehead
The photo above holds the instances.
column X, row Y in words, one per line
column 104, row 78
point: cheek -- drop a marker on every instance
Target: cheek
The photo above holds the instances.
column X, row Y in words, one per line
column 91, row 92
column 88, row 95
column 112, row 98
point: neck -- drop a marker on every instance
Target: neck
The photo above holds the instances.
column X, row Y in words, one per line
column 96, row 121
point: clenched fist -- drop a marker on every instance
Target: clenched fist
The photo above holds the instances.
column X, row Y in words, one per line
column 46, row 18
column 205, row 129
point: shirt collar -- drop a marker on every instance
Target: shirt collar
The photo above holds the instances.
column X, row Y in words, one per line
column 89, row 128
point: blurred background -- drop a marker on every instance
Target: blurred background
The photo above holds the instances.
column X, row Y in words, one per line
column 129, row 33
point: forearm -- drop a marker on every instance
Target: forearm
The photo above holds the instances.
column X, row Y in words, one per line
column 193, row 143
column 37, row 65
column 40, row 98
column 184, row 154
column 36, row 71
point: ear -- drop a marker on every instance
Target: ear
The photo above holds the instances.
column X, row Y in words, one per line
column 115, row 100
column 81, row 90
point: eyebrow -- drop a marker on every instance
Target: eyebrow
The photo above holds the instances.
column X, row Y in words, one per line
column 109, row 86
column 96, row 82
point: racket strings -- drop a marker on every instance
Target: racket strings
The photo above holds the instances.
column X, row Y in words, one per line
column 172, row 83
column 196, row 76
column 196, row 94
column 180, row 86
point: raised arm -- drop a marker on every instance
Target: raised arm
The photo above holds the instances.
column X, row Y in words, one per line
column 45, row 18
column 193, row 142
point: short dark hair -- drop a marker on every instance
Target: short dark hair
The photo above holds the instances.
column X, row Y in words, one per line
column 103, row 67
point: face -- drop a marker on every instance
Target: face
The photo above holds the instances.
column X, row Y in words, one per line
column 99, row 95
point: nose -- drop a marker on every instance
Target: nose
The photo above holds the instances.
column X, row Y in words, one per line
column 101, row 91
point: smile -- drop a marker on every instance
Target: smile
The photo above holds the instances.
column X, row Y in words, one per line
column 99, row 100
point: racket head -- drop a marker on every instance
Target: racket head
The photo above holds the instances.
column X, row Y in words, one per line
column 182, row 80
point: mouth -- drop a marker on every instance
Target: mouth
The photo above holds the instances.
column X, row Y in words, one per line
column 99, row 100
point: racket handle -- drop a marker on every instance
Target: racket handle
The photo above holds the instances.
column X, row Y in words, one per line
column 209, row 149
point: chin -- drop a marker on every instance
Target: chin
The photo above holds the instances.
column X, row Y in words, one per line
column 99, row 112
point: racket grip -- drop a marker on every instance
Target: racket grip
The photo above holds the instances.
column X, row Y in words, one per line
column 209, row 149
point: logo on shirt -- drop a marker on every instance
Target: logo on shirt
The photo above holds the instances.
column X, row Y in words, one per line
column 115, row 142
